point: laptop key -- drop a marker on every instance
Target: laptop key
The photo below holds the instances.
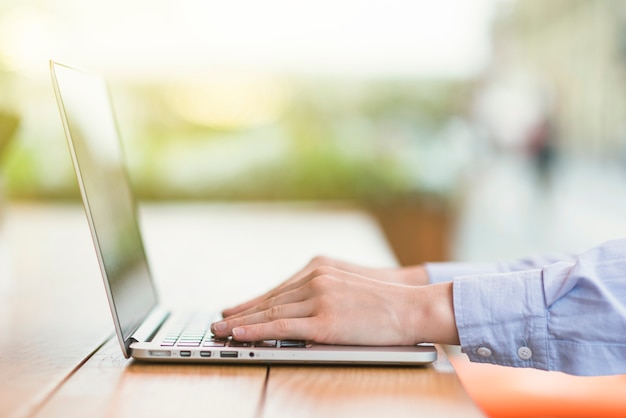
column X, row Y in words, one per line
column 188, row 344
column 214, row 343
column 292, row 344
column 265, row 344
column 234, row 343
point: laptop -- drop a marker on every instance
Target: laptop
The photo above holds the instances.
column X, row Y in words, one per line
column 146, row 330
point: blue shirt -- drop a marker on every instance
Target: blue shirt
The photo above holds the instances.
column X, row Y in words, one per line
column 563, row 313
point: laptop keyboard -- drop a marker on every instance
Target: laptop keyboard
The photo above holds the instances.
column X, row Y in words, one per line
column 197, row 333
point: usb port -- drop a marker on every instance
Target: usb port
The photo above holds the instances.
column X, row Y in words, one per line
column 229, row 354
column 185, row 353
column 160, row 353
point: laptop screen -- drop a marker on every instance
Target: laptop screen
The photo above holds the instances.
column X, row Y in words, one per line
column 96, row 151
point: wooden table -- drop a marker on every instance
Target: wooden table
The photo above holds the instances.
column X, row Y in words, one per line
column 58, row 356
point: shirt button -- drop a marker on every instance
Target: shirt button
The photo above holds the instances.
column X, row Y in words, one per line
column 525, row 353
column 483, row 352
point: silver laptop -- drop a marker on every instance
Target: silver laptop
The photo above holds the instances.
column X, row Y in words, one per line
column 145, row 329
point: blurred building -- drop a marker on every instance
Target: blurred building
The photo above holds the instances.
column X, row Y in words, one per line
column 577, row 48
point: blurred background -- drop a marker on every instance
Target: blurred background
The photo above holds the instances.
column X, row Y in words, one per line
column 472, row 129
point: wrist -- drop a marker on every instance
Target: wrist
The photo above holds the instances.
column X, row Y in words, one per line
column 436, row 322
column 413, row 275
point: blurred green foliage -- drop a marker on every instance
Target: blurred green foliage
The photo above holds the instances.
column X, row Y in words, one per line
column 328, row 139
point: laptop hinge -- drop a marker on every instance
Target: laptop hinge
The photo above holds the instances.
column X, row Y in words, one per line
column 150, row 326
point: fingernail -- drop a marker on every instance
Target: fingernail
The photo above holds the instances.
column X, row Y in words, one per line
column 238, row 332
column 219, row 326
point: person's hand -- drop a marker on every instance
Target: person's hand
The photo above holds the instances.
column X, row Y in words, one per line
column 332, row 306
column 415, row 275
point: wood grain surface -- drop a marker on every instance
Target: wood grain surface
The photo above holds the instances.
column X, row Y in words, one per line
column 58, row 357
column 110, row 386
column 52, row 313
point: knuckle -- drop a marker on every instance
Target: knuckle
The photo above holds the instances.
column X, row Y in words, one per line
column 283, row 327
column 320, row 283
column 267, row 303
column 274, row 312
column 323, row 271
column 320, row 260
column 325, row 303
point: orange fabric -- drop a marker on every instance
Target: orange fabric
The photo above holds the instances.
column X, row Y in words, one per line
column 506, row 392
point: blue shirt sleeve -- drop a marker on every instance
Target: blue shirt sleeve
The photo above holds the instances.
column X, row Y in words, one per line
column 446, row 271
column 565, row 315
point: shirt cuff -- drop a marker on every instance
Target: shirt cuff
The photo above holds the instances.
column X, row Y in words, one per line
column 501, row 318
column 445, row 272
